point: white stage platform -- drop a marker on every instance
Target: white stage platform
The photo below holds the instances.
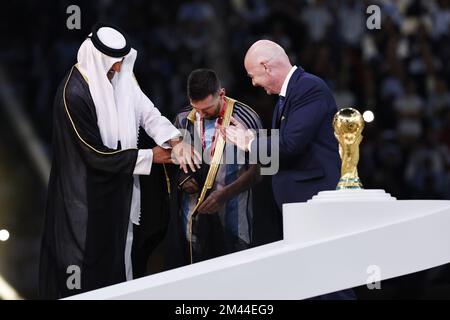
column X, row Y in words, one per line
column 331, row 242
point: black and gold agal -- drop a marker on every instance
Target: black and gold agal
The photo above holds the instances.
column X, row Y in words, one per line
column 117, row 47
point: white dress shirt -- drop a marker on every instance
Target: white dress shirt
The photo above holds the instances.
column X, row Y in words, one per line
column 282, row 93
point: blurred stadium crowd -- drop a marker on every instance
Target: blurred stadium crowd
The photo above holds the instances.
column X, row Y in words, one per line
column 400, row 72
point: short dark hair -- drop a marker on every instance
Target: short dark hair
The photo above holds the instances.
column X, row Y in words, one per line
column 201, row 83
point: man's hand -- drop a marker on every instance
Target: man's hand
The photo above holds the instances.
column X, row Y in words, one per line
column 237, row 134
column 213, row 202
column 161, row 155
column 190, row 186
column 185, row 155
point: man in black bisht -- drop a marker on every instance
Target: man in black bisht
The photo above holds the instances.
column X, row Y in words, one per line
column 94, row 193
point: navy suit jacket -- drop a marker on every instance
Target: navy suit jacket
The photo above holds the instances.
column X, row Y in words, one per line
column 309, row 159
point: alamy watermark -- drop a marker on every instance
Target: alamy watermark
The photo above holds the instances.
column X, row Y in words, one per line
column 266, row 151
column 74, row 279
column 374, row 279
column 74, row 19
column 374, row 20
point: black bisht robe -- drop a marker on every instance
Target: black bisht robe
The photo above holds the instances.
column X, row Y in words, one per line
column 88, row 201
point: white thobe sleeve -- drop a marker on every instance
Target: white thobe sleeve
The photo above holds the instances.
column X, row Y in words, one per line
column 144, row 162
column 158, row 127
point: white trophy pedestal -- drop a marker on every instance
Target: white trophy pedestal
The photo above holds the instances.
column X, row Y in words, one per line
column 333, row 242
column 352, row 195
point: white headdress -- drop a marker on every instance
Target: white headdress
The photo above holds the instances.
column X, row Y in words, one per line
column 113, row 100
column 116, row 101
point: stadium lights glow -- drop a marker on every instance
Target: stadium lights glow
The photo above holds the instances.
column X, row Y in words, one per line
column 368, row 116
column 4, row 235
column 7, row 292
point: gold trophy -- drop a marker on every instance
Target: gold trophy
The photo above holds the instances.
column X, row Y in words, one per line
column 348, row 125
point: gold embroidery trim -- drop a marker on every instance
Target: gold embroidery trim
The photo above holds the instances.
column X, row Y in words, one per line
column 167, row 179
column 214, row 167
column 76, row 131
column 82, row 73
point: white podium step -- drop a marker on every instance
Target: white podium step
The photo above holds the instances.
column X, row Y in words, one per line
column 352, row 195
column 332, row 242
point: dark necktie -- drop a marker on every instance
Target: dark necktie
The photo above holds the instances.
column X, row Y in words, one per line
column 278, row 111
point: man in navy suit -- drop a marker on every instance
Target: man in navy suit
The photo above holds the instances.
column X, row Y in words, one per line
column 309, row 154
column 309, row 159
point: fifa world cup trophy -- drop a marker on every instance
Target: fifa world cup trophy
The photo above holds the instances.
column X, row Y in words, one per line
column 348, row 125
